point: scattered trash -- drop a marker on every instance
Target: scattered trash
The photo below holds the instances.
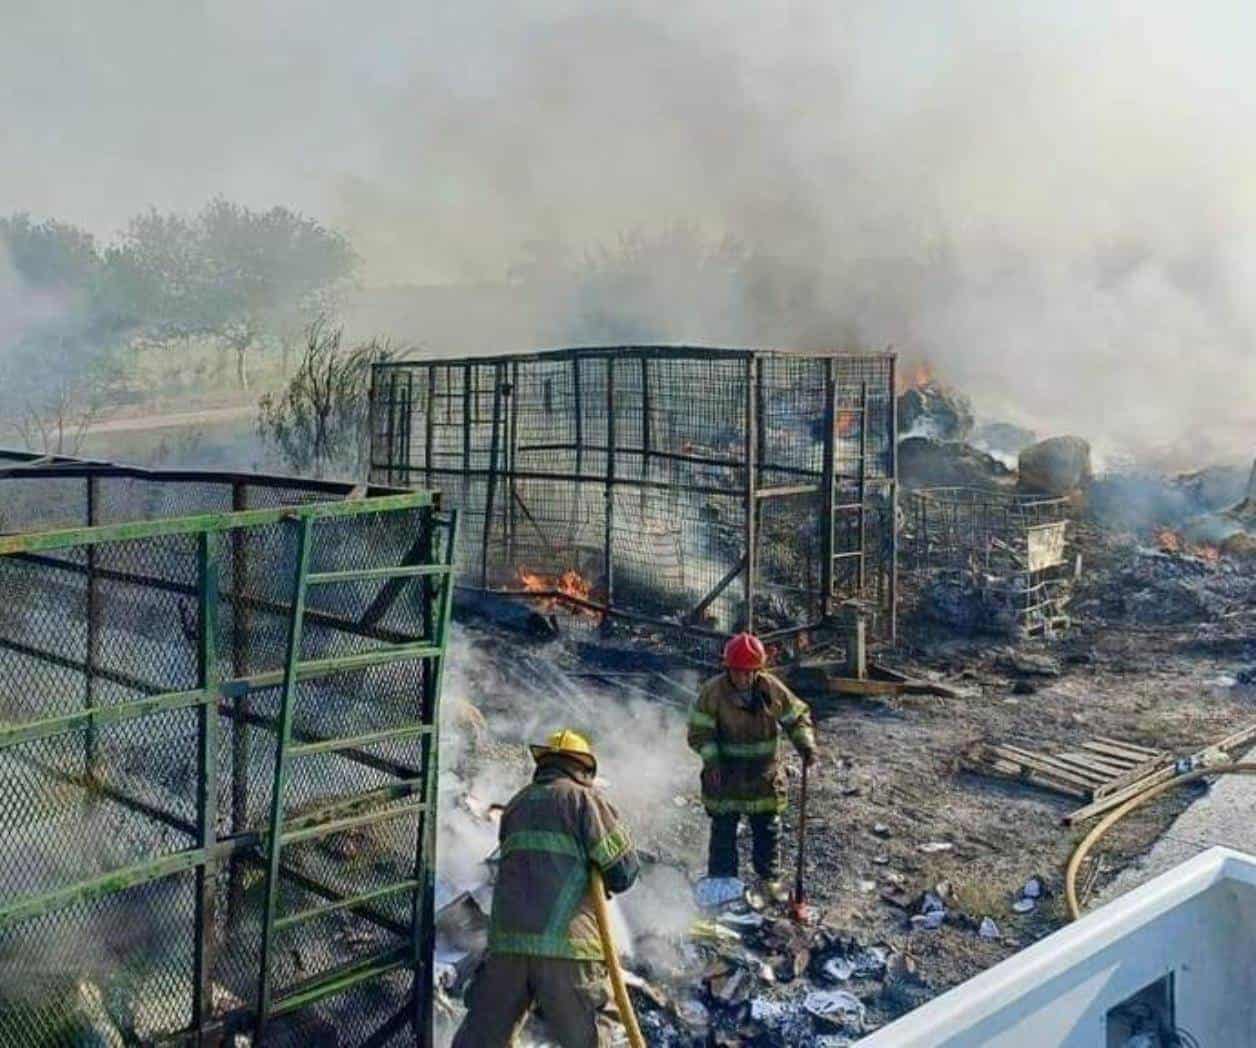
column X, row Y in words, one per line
column 936, row 846
column 768, row 1012
column 741, row 919
column 932, row 903
column 711, row 933
column 838, row 1008
column 881, row 860
column 693, row 1013
column 881, row 830
column 680, row 801
column 1024, row 905
column 988, row 929
column 1033, row 888
column 839, row 969
column 867, row 886
column 929, row 922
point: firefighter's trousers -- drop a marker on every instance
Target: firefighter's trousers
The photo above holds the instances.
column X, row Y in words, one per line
column 722, row 853
column 572, row 997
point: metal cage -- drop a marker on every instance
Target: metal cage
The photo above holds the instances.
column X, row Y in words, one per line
column 218, row 705
column 707, row 489
column 1001, row 556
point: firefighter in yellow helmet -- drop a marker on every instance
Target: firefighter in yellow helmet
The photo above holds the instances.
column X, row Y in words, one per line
column 543, row 944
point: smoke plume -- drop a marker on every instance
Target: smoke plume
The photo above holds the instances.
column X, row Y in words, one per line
column 1049, row 201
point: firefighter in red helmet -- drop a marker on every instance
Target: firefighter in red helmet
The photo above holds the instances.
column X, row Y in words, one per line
column 735, row 727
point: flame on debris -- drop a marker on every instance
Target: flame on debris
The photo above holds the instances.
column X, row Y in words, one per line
column 554, row 587
column 917, row 377
column 1172, row 542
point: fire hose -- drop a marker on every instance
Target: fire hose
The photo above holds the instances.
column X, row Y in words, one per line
column 1137, row 801
column 597, row 888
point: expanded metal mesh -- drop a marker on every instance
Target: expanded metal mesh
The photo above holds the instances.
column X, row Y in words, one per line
column 156, row 631
column 680, row 486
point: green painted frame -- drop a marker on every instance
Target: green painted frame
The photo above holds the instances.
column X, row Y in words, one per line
column 220, row 694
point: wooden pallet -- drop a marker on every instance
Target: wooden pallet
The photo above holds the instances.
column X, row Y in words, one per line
column 1098, row 768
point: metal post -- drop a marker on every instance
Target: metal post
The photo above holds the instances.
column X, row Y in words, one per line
column 578, row 404
column 207, row 786
column 283, row 731
column 390, row 430
column 751, row 440
column 893, row 411
column 372, row 412
column 467, row 372
column 491, row 483
column 647, row 437
column 423, row 915
column 863, row 487
column 512, row 453
column 827, row 487
column 241, row 711
column 93, row 630
column 429, row 423
column 608, row 567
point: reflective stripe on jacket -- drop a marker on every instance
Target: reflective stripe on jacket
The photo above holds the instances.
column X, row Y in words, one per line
column 738, row 743
column 550, row 832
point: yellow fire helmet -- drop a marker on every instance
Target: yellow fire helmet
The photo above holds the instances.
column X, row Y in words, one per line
column 566, row 743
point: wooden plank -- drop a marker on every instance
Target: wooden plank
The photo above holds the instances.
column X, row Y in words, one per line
column 1139, row 772
column 1135, row 754
column 1112, row 800
column 1131, row 747
column 1058, row 764
column 1107, row 769
column 996, row 770
column 1033, row 761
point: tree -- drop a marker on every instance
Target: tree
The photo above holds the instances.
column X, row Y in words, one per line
column 320, row 421
column 261, row 263
column 55, row 332
column 231, row 272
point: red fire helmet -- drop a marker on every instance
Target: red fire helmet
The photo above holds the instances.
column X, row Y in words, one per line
column 745, row 652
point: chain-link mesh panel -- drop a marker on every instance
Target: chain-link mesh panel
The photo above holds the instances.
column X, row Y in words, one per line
column 112, row 970
column 107, row 635
column 375, row 1012
column 634, row 461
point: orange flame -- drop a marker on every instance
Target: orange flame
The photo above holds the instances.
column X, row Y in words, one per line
column 918, row 377
column 1170, row 541
column 570, row 584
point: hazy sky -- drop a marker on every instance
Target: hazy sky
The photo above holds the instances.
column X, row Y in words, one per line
column 1052, row 196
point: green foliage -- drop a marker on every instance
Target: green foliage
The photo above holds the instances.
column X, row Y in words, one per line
column 320, row 421
column 231, row 272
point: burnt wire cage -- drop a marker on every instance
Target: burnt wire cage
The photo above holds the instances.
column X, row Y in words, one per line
column 218, row 696
column 992, row 559
column 708, row 489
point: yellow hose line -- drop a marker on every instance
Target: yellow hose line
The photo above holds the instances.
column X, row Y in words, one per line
column 1117, row 814
column 598, row 890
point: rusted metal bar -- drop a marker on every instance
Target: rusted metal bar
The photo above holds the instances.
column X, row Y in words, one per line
column 608, row 568
column 494, row 446
column 750, row 536
column 828, row 486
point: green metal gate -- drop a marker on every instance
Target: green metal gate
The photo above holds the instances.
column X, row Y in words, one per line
column 218, row 706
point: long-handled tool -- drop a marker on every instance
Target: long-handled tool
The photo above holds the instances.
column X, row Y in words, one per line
column 598, row 888
column 798, row 904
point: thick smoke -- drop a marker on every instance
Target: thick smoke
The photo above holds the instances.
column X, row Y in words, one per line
column 643, row 760
column 1047, row 200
